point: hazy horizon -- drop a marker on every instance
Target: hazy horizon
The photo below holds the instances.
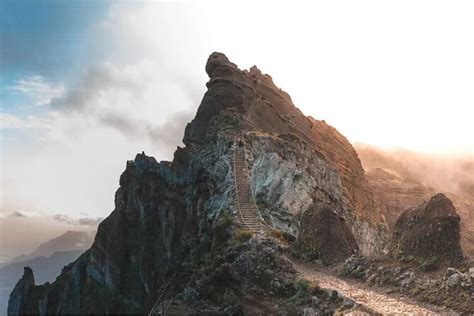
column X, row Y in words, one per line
column 87, row 85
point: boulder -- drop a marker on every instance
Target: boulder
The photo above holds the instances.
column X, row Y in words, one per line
column 428, row 233
column 325, row 235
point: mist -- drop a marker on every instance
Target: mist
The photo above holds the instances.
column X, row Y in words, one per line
column 22, row 232
column 442, row 172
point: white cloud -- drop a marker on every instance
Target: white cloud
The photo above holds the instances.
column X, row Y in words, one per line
column 38, row 87
column 109, row 115
column 10, row 121
column 24, row 231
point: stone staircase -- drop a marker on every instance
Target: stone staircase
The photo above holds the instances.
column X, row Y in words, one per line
column 248, row 211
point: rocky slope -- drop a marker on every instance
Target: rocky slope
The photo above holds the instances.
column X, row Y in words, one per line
column 448, row 288
column 174, row 218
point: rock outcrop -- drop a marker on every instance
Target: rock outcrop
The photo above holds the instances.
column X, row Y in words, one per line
column 21, row 293
column 428, row 233
column 324, row 235
column 169, row 216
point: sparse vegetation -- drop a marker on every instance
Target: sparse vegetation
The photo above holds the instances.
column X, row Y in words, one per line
column 304, row 290
column 242, row 236
column 225, row 220
column 275, row 233
column 429, row 264
column 407, row 259
column 260, row 202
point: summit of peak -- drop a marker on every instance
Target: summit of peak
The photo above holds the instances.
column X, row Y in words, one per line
column 217, row 60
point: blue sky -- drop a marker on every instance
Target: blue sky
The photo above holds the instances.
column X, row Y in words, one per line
column 85, row 85
column 78, row 97
column 44, row 37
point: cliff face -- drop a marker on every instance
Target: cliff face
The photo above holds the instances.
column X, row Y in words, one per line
column 21, row 293
column 168, row 215
column 295, row 160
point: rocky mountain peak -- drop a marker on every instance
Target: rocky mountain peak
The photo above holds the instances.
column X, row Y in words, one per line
column 217, row 63
column 170, row 214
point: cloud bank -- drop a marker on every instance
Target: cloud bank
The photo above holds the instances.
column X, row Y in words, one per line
column 136, row 100
column 23, row 231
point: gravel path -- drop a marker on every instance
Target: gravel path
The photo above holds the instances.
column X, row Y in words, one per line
column 379, row 302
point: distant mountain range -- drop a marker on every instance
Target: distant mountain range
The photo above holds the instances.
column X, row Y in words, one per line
column 69, row 241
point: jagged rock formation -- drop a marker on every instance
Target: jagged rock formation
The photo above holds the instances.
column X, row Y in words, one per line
column 324, row 235
column 46, row 270
column 172, row 217
column 428, row 233
column 17, row 305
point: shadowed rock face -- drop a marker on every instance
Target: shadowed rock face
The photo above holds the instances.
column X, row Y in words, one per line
column 17, row 302
column 325, row 235
column 166, row 214
column 428, row 232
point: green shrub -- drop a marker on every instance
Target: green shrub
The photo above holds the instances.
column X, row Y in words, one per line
column 304, row 289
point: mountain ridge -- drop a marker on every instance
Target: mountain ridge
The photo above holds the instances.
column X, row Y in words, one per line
column 175, row 216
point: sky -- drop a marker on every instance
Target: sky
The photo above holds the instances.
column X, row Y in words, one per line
column 85, row 85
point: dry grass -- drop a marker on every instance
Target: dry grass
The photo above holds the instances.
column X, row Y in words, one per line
column 243, row 235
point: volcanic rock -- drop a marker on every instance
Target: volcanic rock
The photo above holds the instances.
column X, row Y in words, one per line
column 324, row 235
column 428, row 233
column 21, row 293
